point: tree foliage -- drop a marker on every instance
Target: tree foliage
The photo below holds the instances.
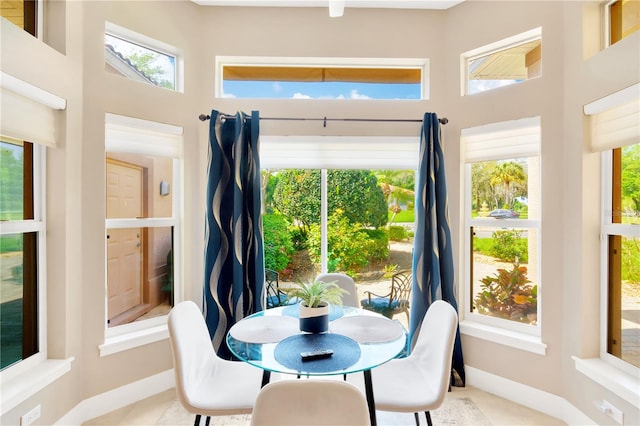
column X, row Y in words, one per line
column 631, row 176
column 355, row 192
column 11, row 182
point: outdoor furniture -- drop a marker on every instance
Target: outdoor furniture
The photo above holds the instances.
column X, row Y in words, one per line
column 205, row 383
column 310, row 402
column 345, row 282
column 275, row 296
column 396, row 301
column 419, row 382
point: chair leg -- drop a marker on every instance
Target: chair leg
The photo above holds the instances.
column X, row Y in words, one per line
column 417, row 419
column 428, row 414
column 206, row 423
column 197, row 422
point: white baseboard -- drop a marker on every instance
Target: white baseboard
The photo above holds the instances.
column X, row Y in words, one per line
column 533, row 398
column 117, row 398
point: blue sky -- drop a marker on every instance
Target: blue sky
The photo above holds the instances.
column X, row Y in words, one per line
column 319, row 90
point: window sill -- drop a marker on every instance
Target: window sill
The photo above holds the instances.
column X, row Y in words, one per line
column 132, row 340
column 28, row 384
column 513, row 339
column 625, row 385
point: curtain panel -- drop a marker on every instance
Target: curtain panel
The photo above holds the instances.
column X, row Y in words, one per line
column 234, row 254
column 433, row 273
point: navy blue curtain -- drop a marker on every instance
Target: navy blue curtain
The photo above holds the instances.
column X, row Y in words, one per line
column 234, row 254
column 433, row 277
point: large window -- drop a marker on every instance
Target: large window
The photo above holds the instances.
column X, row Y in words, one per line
column 321, row 78
column 142, row 228
column 502, row 221
column 506, row 62
column 615, row 126
column 349, row 209
column 21, row 236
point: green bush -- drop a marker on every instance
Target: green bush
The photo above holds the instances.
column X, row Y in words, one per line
column 351, row 246
column 509, row 246
column 397, row 233
column 278, row 244
column 631, row 260
column 10, row 243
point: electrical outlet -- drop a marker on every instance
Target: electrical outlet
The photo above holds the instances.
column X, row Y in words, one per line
column 31, row 416
column 611, row 411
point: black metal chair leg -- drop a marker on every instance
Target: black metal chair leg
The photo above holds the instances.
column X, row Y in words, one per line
column 428, row 414
column 417, row 419
column 206, row 422
column 197, row 422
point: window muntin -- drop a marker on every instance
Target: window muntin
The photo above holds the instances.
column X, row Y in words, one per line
column 321, row 78
column 21, row 252
column 622, row 18
column 141, row 58
column 502, row 211
column 503, row 63
column 622, row 251
column 143, row 175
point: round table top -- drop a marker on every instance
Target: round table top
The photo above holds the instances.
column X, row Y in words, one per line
column 255, row 340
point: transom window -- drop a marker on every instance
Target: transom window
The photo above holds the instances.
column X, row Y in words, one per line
column 503, row 63
column 140, row 58
column 622, row 18
column 321, row 78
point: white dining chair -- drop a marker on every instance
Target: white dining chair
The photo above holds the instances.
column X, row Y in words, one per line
column 206, row 384
column 419, row 382
column 345, row 282
column 293, row 402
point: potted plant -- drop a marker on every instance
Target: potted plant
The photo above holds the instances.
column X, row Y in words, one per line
column 314, row 300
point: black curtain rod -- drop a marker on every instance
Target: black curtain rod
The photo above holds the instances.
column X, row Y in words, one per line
column 443, row 120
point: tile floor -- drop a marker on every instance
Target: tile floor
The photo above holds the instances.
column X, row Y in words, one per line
column 163, row 409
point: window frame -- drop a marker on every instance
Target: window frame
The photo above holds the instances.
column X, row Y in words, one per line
column 38, row 226
column 132, row 135
column 151, row 44
column 503, row 331
column 335, row 62
column 609, row 228
column 489, row 49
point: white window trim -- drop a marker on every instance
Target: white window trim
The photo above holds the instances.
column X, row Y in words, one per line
column 422, row 63
column 492, row 48
column 23, row 379
column 153, row 44
column 510, row 333
column 158, row 139
column 610, row 228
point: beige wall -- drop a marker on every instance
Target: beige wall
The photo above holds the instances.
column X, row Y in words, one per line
column 76, row 207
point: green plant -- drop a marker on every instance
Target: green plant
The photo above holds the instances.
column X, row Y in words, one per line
column 508, row 245
column 313, row 294
column 278, row 245
column 397, row 233
column 389, row 270
column 508, row 294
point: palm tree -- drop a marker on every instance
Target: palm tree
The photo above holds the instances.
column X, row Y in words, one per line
column 510, row 175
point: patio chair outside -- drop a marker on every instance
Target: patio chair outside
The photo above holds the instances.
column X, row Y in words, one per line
column 396, row 301
column 275, row 297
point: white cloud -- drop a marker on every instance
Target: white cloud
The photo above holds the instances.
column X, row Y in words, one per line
column 276, row 87
column 356, row 95
column 299, row 95
column 228, row 95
